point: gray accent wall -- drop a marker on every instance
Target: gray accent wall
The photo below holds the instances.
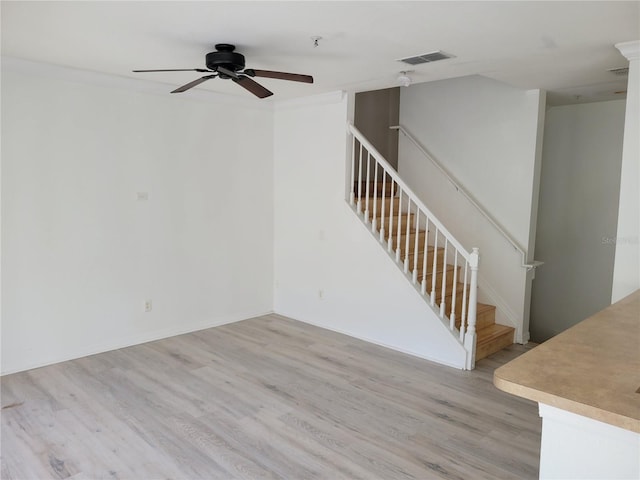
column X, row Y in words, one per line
column 577, row 215
column 375, row 112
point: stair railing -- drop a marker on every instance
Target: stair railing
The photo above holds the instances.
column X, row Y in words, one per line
column 435, row 262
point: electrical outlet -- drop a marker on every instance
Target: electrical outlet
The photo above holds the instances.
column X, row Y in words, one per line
column 147, row 305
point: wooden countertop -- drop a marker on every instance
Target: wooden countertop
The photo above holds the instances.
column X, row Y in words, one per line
column 592, row 369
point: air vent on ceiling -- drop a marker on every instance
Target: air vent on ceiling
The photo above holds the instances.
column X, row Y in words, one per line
column 426, row 58
column 621, row 71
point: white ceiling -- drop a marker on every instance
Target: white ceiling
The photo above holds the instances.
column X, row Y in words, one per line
column 563, row 47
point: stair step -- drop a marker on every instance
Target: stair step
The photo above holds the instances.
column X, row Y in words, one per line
column 373, row 187
column 429, row 268
column 448, row 293
column 492, row 339
column 430, row 250
column 388, row 201
column 485, row 316
column 429, row 277
column 412, row 241
column 384, row 221
column 397, row 219
column 448, row 297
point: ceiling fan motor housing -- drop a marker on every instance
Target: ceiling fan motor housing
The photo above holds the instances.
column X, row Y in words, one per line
column 225, row 57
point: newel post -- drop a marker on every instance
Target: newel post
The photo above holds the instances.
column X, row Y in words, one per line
column 470, row 336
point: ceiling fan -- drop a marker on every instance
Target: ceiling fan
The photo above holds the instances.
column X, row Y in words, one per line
column 229, row 65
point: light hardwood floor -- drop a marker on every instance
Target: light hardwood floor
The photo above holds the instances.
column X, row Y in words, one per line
column 265, row 398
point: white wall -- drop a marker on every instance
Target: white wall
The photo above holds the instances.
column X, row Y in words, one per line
column 577, row 215
column 329, row 270
column 488, row 136
column 626, row 275
column 80, row 254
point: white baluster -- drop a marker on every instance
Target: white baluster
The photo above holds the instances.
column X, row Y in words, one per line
column 415, row 247
column 443, row 298
column 352, row 195
column 360, row 181
column 463, row 315
column 399, row 226
column 434, row 269
column 384, row 192
column 452, row 315
column 423, row 287
column 366, row 203
column 470, row 337
column 374, row 219
column 407, row 230
column 390, row 242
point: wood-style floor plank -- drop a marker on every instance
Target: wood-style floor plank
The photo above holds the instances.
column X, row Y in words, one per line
column 265, row 398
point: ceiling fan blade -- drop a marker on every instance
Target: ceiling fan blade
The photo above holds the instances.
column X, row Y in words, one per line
column 254, row 87
column 294, row 77
column 174, row 70
column 189, row 85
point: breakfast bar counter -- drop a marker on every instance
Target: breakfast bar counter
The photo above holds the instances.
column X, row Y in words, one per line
column 587, row 383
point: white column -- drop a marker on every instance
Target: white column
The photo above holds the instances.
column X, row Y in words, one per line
column 626, row 270
column 470, row 335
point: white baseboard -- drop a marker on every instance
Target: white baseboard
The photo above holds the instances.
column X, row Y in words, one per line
column 136, row 340
column 376, row 342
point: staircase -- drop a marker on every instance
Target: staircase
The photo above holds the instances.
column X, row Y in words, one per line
column 490, row 336
column 442, row 271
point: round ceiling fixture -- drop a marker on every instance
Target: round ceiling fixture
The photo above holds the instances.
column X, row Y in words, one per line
column 403, row 79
